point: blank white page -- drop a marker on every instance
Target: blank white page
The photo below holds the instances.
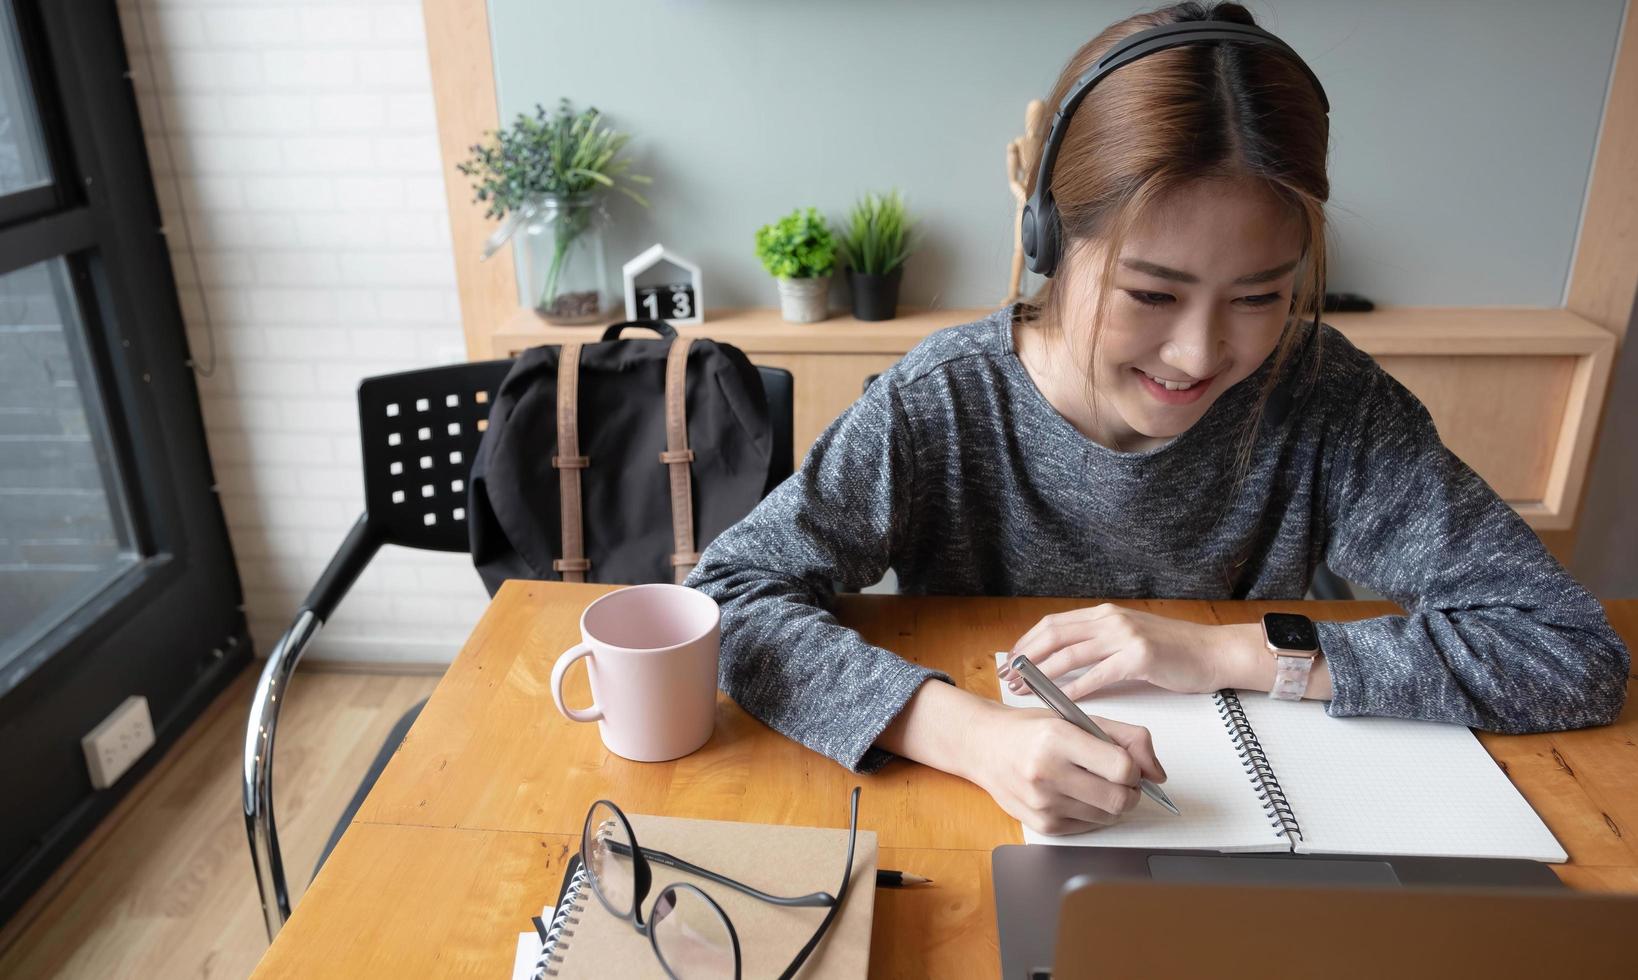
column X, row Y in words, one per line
column 1203, row 775
column 1393, row 786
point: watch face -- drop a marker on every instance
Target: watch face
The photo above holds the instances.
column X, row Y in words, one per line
column 1290, row 632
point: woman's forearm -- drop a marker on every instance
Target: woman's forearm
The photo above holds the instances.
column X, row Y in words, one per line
column 937, row 727
column 941, row 724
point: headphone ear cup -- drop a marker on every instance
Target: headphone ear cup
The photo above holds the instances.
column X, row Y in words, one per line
column 1027, row 238
column 1044, row 259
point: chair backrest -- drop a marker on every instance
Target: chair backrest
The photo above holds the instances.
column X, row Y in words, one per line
column 781, row 391
column 421, row 429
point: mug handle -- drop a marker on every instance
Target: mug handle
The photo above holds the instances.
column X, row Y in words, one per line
column 569, row 656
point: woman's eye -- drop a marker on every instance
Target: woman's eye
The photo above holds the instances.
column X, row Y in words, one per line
column 1149, row 299
column 1162, row 299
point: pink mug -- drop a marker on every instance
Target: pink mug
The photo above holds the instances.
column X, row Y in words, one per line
column 651, row 654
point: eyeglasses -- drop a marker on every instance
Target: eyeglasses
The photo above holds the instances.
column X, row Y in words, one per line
column 691, row 935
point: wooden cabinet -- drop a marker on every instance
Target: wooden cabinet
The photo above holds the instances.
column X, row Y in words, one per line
column 1514, row 392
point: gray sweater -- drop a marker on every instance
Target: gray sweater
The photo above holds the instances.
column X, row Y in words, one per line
column 956, row 472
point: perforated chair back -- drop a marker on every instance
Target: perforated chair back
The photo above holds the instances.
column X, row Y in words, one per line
column 420, row 430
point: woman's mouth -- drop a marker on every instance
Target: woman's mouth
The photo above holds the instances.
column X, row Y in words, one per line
column 1172, row 391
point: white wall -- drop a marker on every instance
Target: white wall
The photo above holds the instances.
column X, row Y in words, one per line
column 300, row 140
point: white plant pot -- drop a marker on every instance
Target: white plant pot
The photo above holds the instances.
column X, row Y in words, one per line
column 803, row 300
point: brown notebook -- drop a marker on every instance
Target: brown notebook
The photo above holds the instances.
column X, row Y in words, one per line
column 777, row 859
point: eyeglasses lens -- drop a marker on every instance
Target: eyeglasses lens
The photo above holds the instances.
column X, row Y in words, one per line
column 691, row 936
column 606, row 850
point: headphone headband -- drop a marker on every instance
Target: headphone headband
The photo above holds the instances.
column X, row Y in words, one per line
column 1039, row 229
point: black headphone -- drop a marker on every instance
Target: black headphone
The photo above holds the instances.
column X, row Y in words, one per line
column 1039, row 229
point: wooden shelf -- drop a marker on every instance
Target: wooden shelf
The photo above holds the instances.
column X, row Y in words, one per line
column 1387, row 331
column 1514, row 391
column 760, row 329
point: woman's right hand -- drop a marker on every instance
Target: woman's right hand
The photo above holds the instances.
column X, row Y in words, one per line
column 1055, row 778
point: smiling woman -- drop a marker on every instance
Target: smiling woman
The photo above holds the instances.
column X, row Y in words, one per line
column 1163, row 420
column 1188, row 322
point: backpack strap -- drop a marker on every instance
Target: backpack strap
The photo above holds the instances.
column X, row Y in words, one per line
column 568, row 464
column 677, row 456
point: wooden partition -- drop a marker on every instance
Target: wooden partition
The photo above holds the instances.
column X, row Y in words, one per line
column 1511, row 390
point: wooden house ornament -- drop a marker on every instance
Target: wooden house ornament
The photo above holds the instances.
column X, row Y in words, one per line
column 662, row 285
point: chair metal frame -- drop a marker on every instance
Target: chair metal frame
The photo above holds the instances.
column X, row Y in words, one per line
column 419, row 429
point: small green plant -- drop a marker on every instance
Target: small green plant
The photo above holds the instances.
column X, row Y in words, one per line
column 797, row 246
column 561, row 154
column 877, row 239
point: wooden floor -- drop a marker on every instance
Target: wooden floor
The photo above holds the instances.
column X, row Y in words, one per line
column 165, row 889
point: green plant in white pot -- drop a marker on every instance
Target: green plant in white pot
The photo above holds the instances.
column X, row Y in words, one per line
column 874, row 244
column 546, row 175
column 799, row 251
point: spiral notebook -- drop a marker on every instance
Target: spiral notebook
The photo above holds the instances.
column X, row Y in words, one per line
column 1255, row 774
column 580, row 938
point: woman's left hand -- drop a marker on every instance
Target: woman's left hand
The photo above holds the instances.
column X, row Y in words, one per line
column 1121, row 644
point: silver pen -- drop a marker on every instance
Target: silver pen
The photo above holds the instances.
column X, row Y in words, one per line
column 1071, row 712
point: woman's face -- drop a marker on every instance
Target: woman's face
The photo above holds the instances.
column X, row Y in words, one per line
column 1201, row 294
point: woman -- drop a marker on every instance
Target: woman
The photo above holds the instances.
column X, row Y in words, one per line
column 1164, row 419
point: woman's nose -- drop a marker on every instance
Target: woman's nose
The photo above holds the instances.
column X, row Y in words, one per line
column 1195, row 348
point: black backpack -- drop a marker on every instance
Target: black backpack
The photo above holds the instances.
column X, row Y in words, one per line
column 617, row 461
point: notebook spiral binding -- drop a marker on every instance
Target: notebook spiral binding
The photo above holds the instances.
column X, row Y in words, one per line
column 1255, row 761
column 561, row 930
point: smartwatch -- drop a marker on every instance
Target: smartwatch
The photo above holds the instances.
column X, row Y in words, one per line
column 1294, row 643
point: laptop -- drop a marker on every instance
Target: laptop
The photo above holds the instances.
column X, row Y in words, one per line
column 1030, row 887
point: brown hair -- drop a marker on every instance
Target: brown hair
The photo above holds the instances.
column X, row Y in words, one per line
column 1224, row 111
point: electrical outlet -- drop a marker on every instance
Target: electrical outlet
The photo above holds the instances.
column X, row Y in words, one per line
column 118, row 742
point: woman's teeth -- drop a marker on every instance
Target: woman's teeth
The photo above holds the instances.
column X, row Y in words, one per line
column 1171, row 385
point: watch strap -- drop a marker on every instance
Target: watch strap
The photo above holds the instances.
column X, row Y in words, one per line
column 1290, row 677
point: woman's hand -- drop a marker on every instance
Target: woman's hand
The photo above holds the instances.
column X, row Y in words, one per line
column 1045, row 772
column 1053, row 777
column 1120, row 644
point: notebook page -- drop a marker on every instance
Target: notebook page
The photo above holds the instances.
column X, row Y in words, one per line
column 529, row 946
column 1203, row 775
column 1393, row 786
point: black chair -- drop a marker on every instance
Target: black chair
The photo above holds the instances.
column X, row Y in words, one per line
column 420, row 430
column 1325, row 584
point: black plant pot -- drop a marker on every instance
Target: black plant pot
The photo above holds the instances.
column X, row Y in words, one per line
column 875, row 297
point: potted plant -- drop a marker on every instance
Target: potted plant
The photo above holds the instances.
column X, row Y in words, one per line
column 799, row 251
column 874, row 244
column 547, row 175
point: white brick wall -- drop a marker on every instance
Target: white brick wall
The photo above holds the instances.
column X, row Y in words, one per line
column 300, row 139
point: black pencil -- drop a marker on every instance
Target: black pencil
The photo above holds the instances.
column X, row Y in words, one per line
column 899, row 879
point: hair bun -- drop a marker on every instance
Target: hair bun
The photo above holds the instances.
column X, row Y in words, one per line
column 1184, row 12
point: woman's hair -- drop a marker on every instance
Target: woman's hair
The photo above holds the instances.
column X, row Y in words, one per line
column 1225, row 111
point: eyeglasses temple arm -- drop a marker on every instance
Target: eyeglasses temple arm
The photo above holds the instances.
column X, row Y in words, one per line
column 811, row 900
column 841, row 893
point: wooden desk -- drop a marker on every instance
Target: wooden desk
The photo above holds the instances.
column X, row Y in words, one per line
column 467, row 832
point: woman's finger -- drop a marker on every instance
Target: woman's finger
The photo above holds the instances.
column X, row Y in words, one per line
column 1112, row 763
column 1040, row 639
column 1117, row 666
column 1139, row 744
column 1108, row 797
column 1081, row 653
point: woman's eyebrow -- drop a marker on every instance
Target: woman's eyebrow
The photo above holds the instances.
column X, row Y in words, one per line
column 1178, row 275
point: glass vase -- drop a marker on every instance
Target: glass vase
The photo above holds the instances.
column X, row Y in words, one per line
column 564, row 271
